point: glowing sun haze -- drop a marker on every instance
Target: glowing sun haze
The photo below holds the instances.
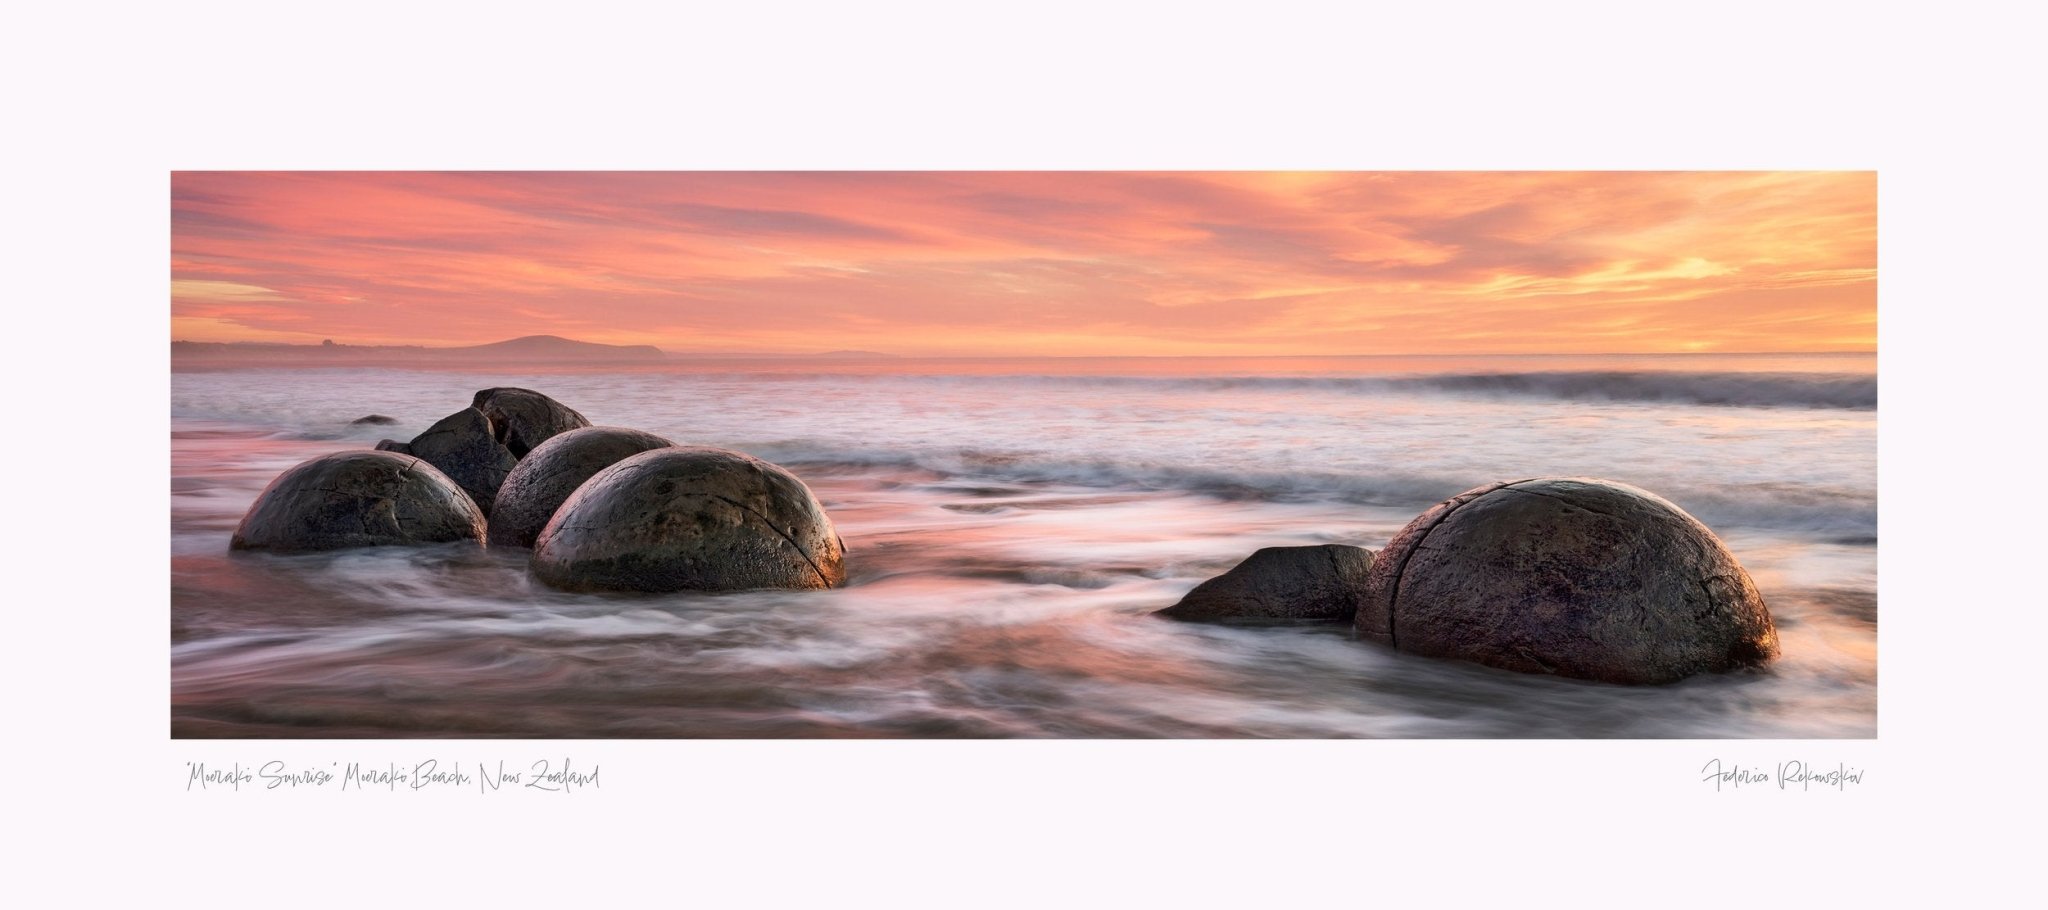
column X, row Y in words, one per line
column 1029, row 263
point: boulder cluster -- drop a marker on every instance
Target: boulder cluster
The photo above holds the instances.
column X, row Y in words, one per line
column 601, row 508
column 478, row 446
column 1576, row 577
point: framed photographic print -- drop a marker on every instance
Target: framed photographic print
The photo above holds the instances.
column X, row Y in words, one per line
column 1024, row 454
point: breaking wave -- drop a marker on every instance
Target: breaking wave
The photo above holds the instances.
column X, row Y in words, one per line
column 1847, row 391
column 1795, row 390
column 1839, row 391
column 1779, row 506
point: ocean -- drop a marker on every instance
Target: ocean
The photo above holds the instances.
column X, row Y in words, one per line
column 1009, row 524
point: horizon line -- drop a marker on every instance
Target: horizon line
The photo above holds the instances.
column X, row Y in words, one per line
column 733, row 353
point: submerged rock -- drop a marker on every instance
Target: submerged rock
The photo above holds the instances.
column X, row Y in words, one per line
column 374, row 420
column 462, row 446
column 547, row 475
column 1578, row 577
column 522, row 419
column 1320, row 582
column 689, row 518
column 358, row 499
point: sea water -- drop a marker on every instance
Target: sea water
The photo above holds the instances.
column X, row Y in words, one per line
column 1009, row 524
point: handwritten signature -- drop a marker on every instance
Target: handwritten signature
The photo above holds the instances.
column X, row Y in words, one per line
column 1785, row 775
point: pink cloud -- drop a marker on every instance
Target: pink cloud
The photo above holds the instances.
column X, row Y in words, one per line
column 1055, row 262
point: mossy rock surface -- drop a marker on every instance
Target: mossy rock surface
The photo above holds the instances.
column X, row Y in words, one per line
column 358, row 499
column 1576, row 577
column 689, row 518
column 462, row 446
column 522, row 419
column 547, row 475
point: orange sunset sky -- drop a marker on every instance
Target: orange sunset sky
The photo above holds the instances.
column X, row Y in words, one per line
column 1032, row 263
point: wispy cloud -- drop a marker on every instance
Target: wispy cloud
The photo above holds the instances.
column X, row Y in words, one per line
column 967, row 263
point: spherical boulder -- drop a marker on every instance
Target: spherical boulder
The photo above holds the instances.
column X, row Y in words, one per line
column 358, row 499
column 553, row 470
column 461, row 445
column 1320, row 582
column 522, row 419
column 1571, row 576
column 689, row 518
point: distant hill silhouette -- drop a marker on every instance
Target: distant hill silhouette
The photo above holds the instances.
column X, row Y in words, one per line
column 555, row 347
column 780, row 355
column 530, row 349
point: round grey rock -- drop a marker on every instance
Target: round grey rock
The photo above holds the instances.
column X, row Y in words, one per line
column 547, row 475
column 358, row 499
column 522, row 419
column 1576, row 577
column 1320, row 582
column 689, row 518
column 462, row 446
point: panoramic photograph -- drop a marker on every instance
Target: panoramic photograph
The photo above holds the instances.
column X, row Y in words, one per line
column 1046, row 455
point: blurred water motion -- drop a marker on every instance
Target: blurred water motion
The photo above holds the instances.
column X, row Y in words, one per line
column 1008, row 525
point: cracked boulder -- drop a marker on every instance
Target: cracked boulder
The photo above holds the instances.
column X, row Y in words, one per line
column 463, row 447
column 358, row 499
column 1320, row 582
column 1576, row 577
column 689, row 518
column 554, row 469
column 522, row 419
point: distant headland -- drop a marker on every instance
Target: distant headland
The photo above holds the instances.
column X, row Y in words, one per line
column 531, row 349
